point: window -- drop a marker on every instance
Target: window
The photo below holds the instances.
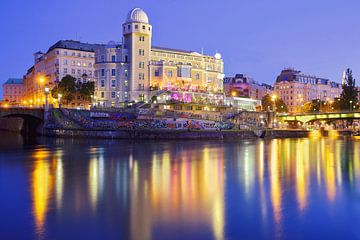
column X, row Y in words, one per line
column 197, row 76
column 102, row 83
column 126, row 83
column 90, row 65
column 141, row 38
column 113, row 83
column 65, row 53
column 184, row 71
column 65, row 62
column 141, row 65
column 128, row 27
column 72, row 71
column 78, row 72
column 141, row 87
column 102, row 94
column 126, row 59
column 136, row 26
column 126, row 73
column 141, row 52
column 170, row 74
column 143, row 27
column 113, row 58
column 72, row 63
column 65, row 71
column 57, row 52
column 103, row 72
column 90, row 73
column 102, row 58
column 113, row 94
column 157, row 73
column 178, row 107
column 141, row 76
column 113, row 72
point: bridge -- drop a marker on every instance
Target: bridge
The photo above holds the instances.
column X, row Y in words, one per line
column 312, row 117
column 32, row 117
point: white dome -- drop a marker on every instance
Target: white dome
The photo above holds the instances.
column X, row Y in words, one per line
column 137, row 15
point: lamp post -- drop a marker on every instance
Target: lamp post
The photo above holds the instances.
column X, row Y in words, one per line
column 350, row 105
column 273, row 98
column 59, row 99
column 47, row 90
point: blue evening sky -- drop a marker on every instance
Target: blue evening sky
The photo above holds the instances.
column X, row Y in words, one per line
column 256, row 37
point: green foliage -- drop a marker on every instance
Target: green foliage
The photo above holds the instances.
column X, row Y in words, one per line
column 310, row 107
column 87, row 90
column 268, row 104
column 349, row 95
column 68, row 87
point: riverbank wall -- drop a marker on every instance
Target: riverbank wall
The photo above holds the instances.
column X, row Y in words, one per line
column 176, row 134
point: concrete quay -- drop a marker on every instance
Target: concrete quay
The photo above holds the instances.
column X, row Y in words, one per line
column 176, row 134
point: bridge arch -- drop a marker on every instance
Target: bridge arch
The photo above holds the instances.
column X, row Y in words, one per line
column 32, row 118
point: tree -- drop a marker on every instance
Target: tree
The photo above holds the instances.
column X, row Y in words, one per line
column 309, row 107
column 315, row 105
column 66, row 87
column 267, row 103
column 87, row 90
column 349, row 95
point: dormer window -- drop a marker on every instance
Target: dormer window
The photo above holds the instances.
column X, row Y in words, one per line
column 136, row 26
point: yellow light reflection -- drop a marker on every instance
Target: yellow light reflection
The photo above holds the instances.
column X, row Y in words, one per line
column 41, row 189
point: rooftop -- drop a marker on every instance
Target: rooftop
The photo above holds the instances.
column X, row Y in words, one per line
column 14, row 81
column 156, row 48
column 75, row 45
column 137, row 15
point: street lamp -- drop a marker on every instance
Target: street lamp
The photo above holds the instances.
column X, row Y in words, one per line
column 59, row 99
column 350, row 105
column 273, row 98
column 47, row 90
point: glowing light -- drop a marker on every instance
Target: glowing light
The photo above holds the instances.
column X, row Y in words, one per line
column 41, row 189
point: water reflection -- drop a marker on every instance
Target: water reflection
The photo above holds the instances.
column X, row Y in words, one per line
column 190, row 189
column 41, row 188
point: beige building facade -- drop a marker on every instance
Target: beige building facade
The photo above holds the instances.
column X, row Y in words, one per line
column 296, row 88
column 151, row 70
column 13, row 90
column 66, row 57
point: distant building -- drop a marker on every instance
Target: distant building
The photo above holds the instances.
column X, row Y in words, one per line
column 135, row 70
column 245, row 87
column 13, row 90
column 295, row 88
column 66, row 57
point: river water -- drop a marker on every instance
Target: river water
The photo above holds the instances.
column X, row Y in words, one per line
column 101, row 189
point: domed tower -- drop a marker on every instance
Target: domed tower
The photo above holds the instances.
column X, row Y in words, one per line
column 137, row 39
